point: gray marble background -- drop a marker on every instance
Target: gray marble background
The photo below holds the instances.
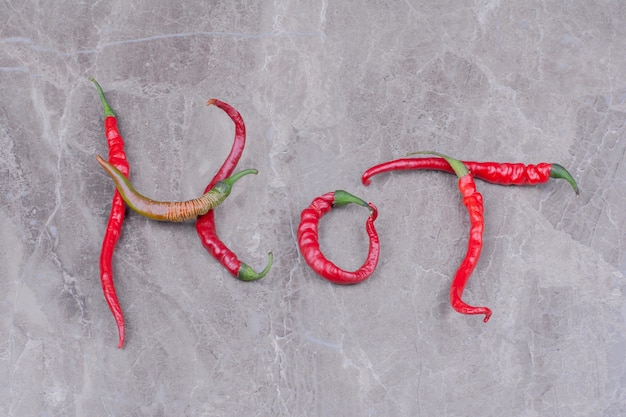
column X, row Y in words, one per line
column 326, row 89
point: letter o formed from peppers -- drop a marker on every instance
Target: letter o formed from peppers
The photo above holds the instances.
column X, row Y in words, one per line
column 308, row 240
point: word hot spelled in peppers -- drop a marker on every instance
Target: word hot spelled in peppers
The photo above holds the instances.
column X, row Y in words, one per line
column 117, row 158
column 473, row 201
column 308, row 240
column 205, row 224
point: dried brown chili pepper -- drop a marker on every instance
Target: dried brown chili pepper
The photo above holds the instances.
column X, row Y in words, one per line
column 175, row 211
column 503, row 173
column 205, row 224
column 473, row 201
column 117, row 157
column 308, row 240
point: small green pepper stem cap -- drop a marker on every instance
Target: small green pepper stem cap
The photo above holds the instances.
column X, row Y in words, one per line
column 558, row 171
column 108, row 111
column 341, row 198
column 246, row 273
column 459, row 167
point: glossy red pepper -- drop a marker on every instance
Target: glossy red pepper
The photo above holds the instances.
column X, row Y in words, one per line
column 205, row 224
column 309, row 244
column 117, row 157
column 503, row 173
column 473, row 201
column 171, row 211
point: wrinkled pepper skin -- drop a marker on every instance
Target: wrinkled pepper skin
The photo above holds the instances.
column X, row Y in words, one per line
column 308, row 239
column 473, row 201
column 502, row 173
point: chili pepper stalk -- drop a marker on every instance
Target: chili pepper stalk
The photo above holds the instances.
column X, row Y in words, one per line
column 473, row 201
column 117, row 157
column 176, row 211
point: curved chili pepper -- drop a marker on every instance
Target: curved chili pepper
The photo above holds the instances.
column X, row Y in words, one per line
column 473, row 201
column 239, row 142
column 205, row 224
column 504, row 173
column 117, row 157
column 176, row 211
column 309, row 244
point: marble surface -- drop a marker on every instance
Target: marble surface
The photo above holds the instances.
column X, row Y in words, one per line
column 326, row 89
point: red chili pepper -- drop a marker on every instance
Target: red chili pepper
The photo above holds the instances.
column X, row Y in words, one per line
column 171, row 211
column 239, row 142
column 117, row 157
column 504, row 173
column 309, row 244
column 473, row 201
column 205, row 224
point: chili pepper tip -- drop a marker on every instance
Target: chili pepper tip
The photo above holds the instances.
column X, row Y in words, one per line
column 463, row 308
column 108, row 111
column 487, row 316
column 246, row 273
column 558, row 171
column 211, row 101
column 459, row 167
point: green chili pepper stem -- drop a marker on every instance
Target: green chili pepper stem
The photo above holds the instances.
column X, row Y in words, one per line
column 108, row 111
column 341, row 198
column 237, row 175
column 459, row 167
column 558, row 171
column 246, row 273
